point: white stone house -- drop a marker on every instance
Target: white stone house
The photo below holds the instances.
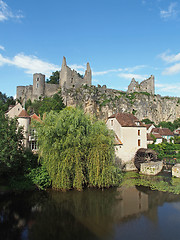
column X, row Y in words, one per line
column 130, row 133
column 24, row 120
column 14, row 111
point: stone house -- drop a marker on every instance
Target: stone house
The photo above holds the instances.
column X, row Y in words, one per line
column 14, row 111
column 131, row 135
column 24, row 120
column 165, row 133
column 150, row 132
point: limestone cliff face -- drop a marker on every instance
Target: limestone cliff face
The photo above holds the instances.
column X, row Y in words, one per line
column 103, row 102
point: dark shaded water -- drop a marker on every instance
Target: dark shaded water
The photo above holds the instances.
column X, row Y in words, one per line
column 133, row 213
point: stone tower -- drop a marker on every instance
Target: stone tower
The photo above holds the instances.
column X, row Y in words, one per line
column 72, row 79
column 38, row 85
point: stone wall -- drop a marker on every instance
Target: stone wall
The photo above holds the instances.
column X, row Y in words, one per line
column 72, row 79
column 103, row 102
column 145, row 86
column 51, row 89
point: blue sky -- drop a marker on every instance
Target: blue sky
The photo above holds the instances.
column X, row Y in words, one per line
column 120, row 39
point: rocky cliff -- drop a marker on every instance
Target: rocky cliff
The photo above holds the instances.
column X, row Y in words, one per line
column 103, row 102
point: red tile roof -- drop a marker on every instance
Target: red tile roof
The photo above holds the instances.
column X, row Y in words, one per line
column 157, row 135
column 162, row 131
column 23, row 114
column 149, row 137
column 127, row 120
column 35, row 117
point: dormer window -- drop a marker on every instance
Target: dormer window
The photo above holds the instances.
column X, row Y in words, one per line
column 137, row 123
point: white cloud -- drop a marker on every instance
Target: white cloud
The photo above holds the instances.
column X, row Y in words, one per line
column 6, row 13
column 31, row 64
column 170, row 12
column 170, row 58
column 106, row 72
column 131, row 75
column 172, row 70
column 132, row 69
column 2, row 48
column 166, row 88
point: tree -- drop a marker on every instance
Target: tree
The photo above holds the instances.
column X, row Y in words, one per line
column 54, row 78
column 5, row 102
column 11, row 149
column 46, row 104
column 147, row 121
column 76, row 150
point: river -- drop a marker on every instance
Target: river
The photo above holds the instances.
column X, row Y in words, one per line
column 118, row 213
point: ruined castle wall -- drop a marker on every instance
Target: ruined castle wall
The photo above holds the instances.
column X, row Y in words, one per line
column 24, row 93
column 147, row 85
column 51, row 89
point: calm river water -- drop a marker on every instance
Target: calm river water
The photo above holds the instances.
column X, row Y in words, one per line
column 122, row 213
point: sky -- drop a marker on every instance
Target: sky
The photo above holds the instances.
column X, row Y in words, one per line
column 121, row 39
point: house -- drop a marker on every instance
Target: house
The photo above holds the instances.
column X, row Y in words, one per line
column 14, row 111
column 177, row 132
column 24, row 120
column 130, row 135
column 165, row 133
column 150, row 139
column 150, row 127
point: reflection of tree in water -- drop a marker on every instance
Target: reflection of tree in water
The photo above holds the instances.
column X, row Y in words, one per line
column 75, row 215
column 16, row 214
column 91, row 214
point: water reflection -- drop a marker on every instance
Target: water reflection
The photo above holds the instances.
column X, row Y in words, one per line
column 122, row 213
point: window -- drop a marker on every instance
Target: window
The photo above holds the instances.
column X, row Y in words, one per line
column 37, row 85
column 33, row 145
column 37, row 79
column 139, row 132
column 139, row 142
column 111, row 122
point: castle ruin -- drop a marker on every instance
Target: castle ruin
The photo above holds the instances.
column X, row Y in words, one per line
column 145, row 86
column 68, row 79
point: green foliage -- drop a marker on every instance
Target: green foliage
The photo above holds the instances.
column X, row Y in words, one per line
column 165, row 150
column 40, row 177
column 76, row 151
column 170, row 125
column 5, row 102
column 147, row 121
column 54, row 78
column 134, row 111
column 11, row 149
column 160, row 183
column 177, row 139
column 46, row 105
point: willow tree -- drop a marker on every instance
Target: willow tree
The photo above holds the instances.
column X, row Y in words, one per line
column 76, row 150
